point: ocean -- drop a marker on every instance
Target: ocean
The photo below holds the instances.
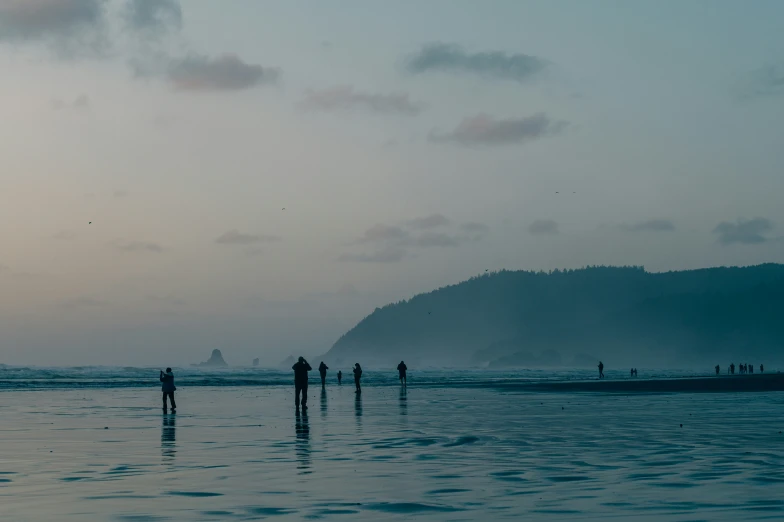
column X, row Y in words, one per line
column 93, row 444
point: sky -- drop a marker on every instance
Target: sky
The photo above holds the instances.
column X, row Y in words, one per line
column 179, row 176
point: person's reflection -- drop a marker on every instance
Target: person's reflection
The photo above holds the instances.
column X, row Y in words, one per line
column 302, row 429
column 323, row 403
column 169, row 437
column 403, row 402
column 358, row 410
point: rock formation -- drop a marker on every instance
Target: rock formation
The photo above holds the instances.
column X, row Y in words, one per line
column 215, row 361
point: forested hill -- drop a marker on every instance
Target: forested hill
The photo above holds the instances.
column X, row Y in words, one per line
column 624, row 316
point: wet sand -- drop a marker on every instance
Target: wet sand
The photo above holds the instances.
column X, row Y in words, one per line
column 432, row 454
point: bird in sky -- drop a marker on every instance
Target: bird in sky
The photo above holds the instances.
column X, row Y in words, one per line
column 90, row 223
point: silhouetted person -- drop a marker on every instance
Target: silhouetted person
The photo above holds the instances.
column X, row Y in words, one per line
column 340, row 377
column 168, row 387
column 323, row 372
column 732, row 368
column 401, row 370
column 631, row 372
column 301, row 369
column 357, row 377
column 717, row 369
column 601, row 370
column 751, row 368
column 762, row 368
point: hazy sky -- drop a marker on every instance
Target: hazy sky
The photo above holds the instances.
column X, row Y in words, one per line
column 412, row 144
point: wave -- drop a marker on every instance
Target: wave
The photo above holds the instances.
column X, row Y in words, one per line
column 81, row 377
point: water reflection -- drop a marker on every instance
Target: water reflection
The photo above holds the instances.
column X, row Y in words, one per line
column 169, row 437
column 302, row 430
column 358, row 410
column 403, row 402
column 323, row 403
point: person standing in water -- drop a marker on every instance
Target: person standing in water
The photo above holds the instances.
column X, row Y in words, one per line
column 357, row 377
column 301, row 369
column 401, row 370
column 323, row 372
column 168, row 387
column 601, row 370
column 340, row 377
column 762, row 368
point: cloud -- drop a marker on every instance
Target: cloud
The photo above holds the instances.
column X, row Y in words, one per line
column 82, row 102
column 120, row 194
column 83, row 302
column 225, row 73
column 345, row 98
column 152, row 18
column 386, row 255
column 486, row 130
column 490, row 64
column 474, row 227
column 765, row 82
column 70, row 26
column 64, row 235
column 380, row 232
column 427, row 222
column 652, row 225
column 745, row 232
column 543, row 227
column 138, row 246
column 436, row 239
column 166, row 300
column 234, row 237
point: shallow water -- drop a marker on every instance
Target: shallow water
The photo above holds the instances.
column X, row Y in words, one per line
column 437, row 453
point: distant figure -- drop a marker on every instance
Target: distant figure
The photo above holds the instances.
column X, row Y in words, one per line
column 631, row 372
column 601, row 370
column 357, row 377
column 762, row 368
column 340, row 377
column 401, row 370
column 751, row 368
column 168, row 387
column 323, row 372
column 301, row 369
column 717, row 369
column 635, row 372
column 732, row 368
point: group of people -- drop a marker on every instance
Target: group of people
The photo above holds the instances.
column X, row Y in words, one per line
column 301, row 369
column 742, row 369
column 633, row 372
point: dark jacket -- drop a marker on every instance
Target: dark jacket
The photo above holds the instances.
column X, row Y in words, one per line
column 357, row 373
column 301, row 370
column 167, row 380
column 402, row 368
column 323, row 368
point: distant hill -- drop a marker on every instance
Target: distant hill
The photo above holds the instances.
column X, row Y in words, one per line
column 624, row 316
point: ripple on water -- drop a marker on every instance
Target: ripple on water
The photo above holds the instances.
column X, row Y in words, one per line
column 194, row 494
column 410, row 507
column 461, row 441
column 269, row 511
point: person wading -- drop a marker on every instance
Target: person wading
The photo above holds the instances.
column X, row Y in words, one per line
column 401, row 370
column 168, row 387
column 301, row 369
column 323, row 372
column 357, row 377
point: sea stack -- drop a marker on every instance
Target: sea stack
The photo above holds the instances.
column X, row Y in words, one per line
column 215, row 360
column 256, row 361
